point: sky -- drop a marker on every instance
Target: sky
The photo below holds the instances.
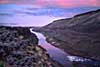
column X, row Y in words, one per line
column 55, row 3
column 42, row 12
column 50, row 7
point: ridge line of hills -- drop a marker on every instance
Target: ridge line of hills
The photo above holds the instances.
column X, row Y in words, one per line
column 81, row 33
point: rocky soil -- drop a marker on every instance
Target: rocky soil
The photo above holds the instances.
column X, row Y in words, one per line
column 19, row 48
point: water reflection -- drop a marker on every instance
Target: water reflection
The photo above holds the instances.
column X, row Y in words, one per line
column 60, row 56
column 54, row 52
column 16, row 16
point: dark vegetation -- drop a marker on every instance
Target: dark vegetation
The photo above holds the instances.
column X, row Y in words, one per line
column 19, row 48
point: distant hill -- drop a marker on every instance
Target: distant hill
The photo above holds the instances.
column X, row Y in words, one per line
column 79, row 35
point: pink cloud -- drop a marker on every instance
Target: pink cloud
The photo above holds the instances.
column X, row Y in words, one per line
column 68, row 3
column 60, row 3
column 4, row 1
column 72, row 3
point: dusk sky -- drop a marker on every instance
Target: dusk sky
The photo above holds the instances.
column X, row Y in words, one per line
column 52, row 7
column 43, row 11
column 55, row 3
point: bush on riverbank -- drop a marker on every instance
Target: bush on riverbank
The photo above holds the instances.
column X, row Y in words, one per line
column 19, row 48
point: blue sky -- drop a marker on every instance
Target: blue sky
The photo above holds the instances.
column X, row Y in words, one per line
column 42, row 12
column 55, row 11
column 49, row 7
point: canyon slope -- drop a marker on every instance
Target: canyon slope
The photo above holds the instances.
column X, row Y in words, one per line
column 79, row 35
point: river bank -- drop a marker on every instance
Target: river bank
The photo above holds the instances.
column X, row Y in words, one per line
column 19, row 47
column 54, row 52
column 77, row 36
column 80, row 33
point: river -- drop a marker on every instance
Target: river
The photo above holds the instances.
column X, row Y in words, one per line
column 60, row 56
column 17, row 15
column 54, row 52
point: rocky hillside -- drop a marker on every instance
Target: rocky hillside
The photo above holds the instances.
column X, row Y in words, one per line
column 19, row 48
column 79, row 35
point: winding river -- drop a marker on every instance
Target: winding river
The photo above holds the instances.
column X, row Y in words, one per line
column 55, row 53
column 59, row 55
column 23, row 17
